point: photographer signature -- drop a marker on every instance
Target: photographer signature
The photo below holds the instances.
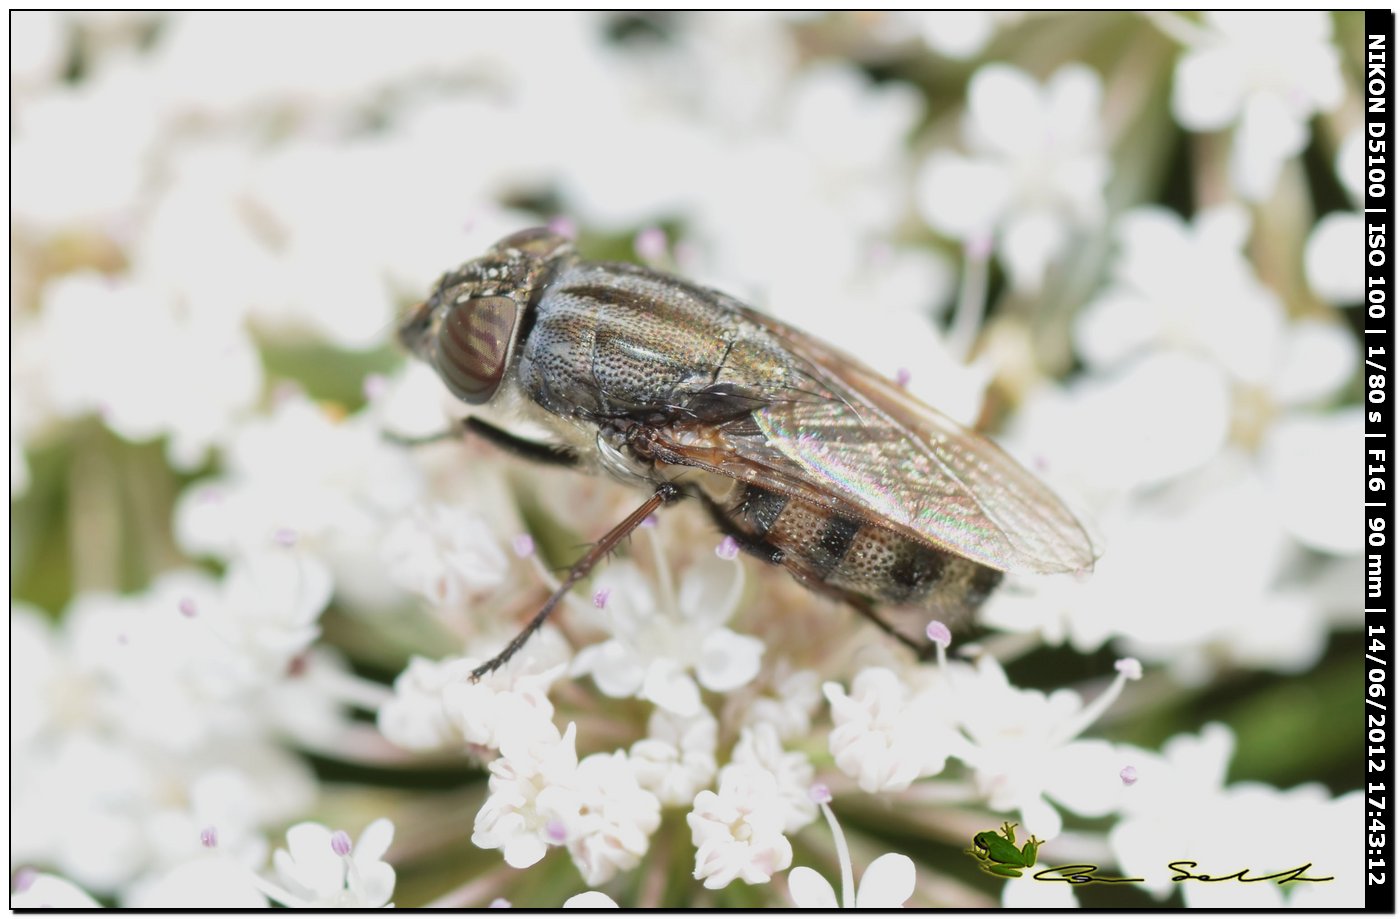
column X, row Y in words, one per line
column 1085, row 874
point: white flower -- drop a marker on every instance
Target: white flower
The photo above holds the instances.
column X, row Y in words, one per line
column 611, row 829
column 831, row 155
column 851, row 131
column 1303, row 459
column 47, row 891
column 1171, row 416
column 445, row 554
column 790, row 703
column 123, row 108
column 1265, row 73
column 900, row 289
column 1189, row 290
column 144, row 738
column 436, row 705
column 542, row 796
column 125, row 351
column 513, row 698
column 208, row 881
column 887, row 883
column 194, row 656
column 37, row 676
column 319, row 869
column 959, row 34
column 271, row 602
column 1037, row 167
column 1024, row 750
column 883, row 735
column 531, row 790
column 677, row 757
column 297, row 475
column 222, row 817
column 415, row 718
column 659, row 640
column 738, row 832
column 1184, row 285
column 1333, row 272
column 760, row 746
column 590, row 899
column 1229, row 535
column 1180, row 808
column 83, row 801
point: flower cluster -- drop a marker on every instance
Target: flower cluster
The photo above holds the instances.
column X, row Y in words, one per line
column 255, row 566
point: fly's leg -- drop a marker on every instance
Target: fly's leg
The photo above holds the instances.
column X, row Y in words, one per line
column 664, row 494
column 547, row 454
column 867, row 609
column 863, row 606
column 420, row 440
column 724, row 522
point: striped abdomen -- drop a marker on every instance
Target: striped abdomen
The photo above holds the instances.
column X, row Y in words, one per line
column 842, row 552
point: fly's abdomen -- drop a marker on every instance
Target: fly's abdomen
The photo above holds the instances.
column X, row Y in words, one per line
column 846, row 554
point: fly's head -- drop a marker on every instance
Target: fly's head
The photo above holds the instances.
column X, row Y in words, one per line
column 468, row 328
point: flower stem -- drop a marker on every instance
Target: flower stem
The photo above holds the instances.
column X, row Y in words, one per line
column 972, row 299
column 843, row 853
column 665, row 584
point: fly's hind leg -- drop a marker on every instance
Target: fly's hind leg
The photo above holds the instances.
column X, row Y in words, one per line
column 664, row 494
column 922, row 650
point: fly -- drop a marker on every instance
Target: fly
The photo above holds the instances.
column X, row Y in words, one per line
column 807, row 458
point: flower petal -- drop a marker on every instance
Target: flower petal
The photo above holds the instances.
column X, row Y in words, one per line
column 810, row 890
column 672, row 688
column 728, row 660
column 887, row 883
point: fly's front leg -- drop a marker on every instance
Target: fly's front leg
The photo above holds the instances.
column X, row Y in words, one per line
column 665, row 494
column 546, row 454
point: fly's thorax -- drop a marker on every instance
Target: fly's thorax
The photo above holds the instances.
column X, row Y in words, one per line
column 612, row 340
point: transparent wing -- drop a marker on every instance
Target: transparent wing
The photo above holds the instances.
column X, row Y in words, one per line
column 874, row 447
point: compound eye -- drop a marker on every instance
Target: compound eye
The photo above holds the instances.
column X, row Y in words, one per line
column 473, row 345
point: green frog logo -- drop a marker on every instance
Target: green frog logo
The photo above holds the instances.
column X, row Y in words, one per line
column 997, row 854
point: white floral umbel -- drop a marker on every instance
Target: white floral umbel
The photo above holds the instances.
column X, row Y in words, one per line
column 738, row 831
column 662, row 636
column 1021, row 744
column 885, row 735
column 1036, row 168
column 1180, row 808
column 677, row 757
column 436, row 705
column 1266, row 74
column 542, row 795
